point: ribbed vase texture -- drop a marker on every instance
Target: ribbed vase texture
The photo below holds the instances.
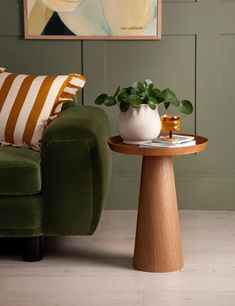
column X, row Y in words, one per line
column 139, row 125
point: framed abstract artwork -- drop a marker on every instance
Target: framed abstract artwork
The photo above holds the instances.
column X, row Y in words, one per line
column 93, row 19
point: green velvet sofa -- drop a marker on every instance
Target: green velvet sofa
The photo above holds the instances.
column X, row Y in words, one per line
column 60, row 190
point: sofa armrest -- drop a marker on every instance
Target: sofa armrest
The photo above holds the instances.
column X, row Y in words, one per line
column 76, row 168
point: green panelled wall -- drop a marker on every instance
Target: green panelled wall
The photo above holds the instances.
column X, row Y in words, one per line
column 195, row 58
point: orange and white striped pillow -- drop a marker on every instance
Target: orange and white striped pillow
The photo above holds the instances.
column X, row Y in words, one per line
column 27, row 102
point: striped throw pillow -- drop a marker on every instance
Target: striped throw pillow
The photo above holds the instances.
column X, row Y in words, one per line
column 27, row 102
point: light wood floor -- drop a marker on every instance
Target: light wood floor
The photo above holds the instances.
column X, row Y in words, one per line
column 97, row 270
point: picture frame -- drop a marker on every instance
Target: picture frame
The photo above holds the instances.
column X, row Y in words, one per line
column 93, row 19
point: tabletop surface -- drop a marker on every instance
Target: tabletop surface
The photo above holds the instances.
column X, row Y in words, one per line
column 115, row 143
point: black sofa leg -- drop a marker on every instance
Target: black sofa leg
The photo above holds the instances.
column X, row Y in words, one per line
column 33, row 249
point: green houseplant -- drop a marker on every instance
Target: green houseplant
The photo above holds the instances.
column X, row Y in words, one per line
column 144, row 93
column 139, row 120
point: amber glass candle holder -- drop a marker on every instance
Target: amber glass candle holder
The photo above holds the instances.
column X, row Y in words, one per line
column 170, row 124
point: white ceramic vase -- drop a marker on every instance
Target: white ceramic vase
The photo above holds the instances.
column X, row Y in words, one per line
column 139, row 125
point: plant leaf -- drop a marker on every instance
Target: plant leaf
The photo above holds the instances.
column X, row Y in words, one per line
column 134, row 100
column 166, row 104
column 117, row 91
column 169, row 95
column 124, row 106
column 122, row 97
column 152, row 104
column 176, row 103
column 148, row 82
column 186, row 107
column 154, row 92
column 140, row 87
column 100, row 99
column 144, row 97
column 126, row 91
column 110, row 101
column 160, row 99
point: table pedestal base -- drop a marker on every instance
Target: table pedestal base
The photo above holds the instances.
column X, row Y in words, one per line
column 158, row 244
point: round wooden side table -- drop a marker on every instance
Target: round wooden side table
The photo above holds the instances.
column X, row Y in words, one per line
column 158, row 246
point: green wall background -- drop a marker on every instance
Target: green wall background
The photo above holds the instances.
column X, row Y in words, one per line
column 195, row 58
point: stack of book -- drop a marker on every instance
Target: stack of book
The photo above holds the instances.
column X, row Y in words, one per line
column 177, row 141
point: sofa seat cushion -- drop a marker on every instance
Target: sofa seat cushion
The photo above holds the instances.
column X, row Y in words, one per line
column 21, row 216
column 20, row 172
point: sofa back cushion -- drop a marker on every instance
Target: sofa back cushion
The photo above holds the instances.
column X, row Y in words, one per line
column 27, row 102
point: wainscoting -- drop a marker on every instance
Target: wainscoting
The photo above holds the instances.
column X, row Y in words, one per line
column 195, row 58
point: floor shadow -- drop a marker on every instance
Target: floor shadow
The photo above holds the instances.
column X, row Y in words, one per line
column 86, row 255
column 11, row 248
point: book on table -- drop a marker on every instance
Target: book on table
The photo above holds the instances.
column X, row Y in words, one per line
column 177, row 141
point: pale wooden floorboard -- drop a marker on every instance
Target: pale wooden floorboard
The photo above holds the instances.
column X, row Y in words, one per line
column 97, row 270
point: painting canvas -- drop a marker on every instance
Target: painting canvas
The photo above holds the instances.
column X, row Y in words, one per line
column 92, row 19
